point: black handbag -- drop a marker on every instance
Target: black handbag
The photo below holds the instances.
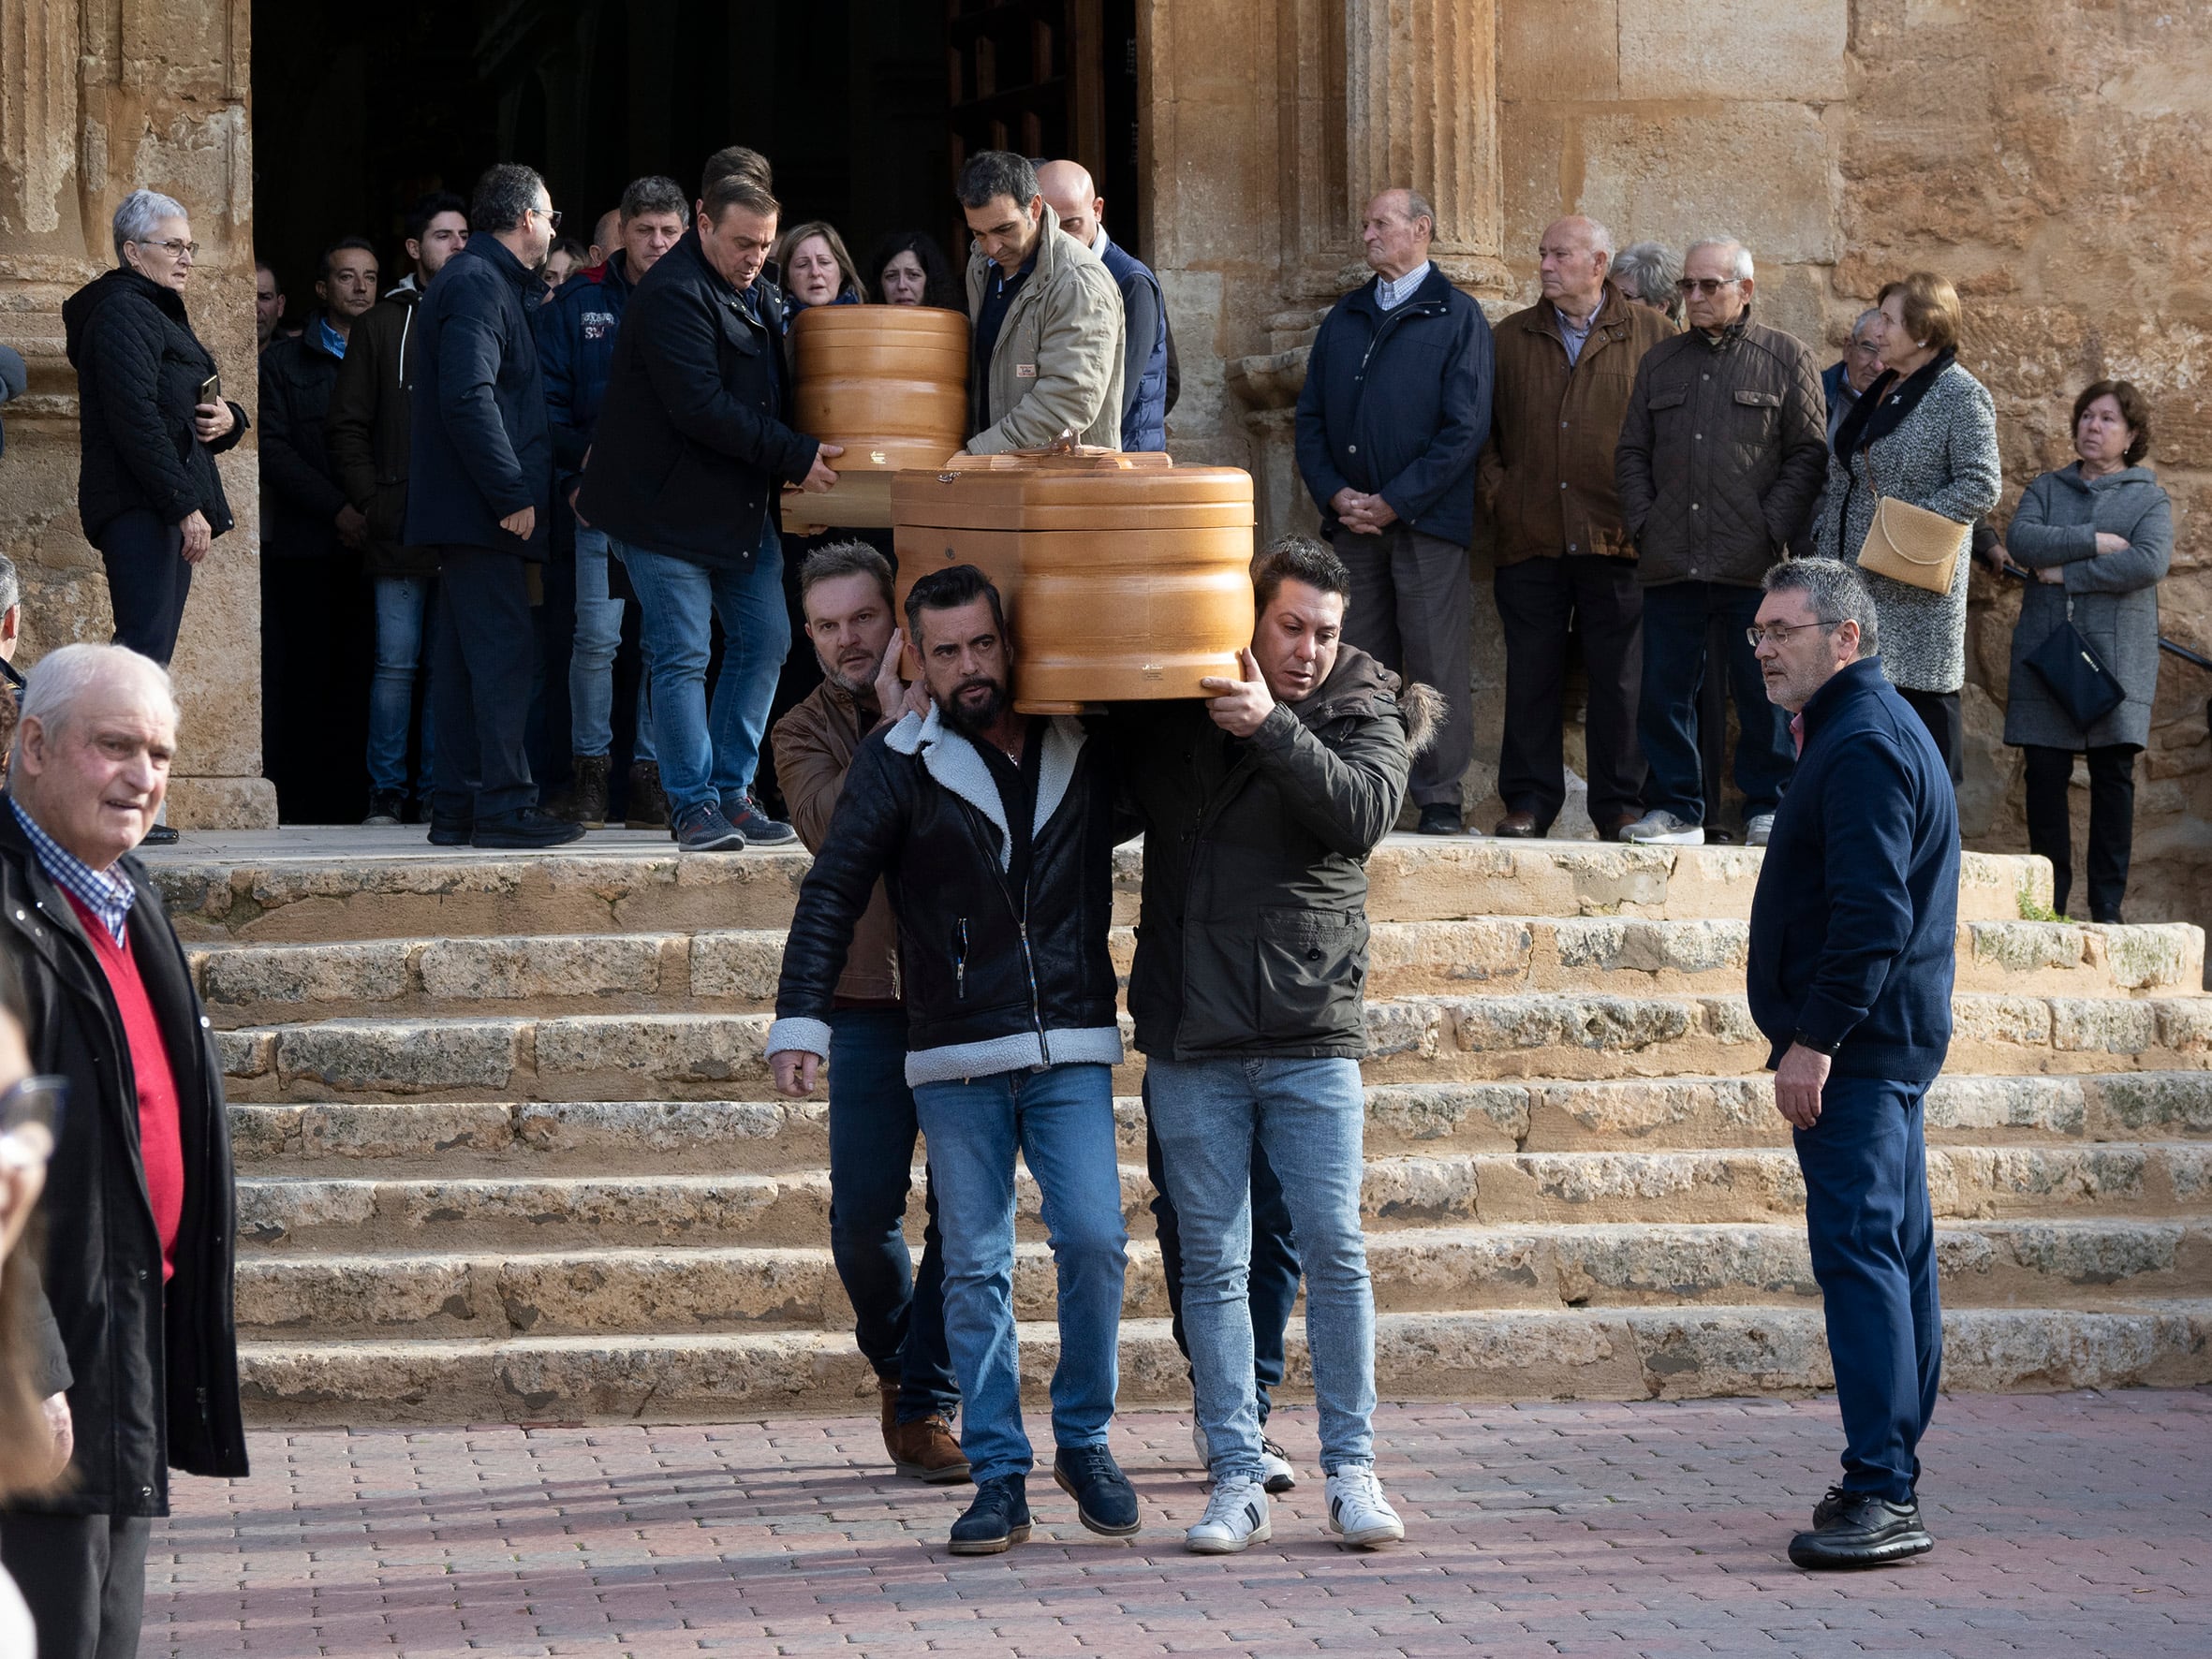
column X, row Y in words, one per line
column 2081, row 683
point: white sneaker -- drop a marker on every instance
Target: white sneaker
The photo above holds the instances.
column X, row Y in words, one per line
column 1359, row 1511
column 1758, row 828
column 1281, row 1474
column 1663, row 828
column 1236, row 1515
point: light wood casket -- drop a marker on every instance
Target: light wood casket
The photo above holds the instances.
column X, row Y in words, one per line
column 889, row 384
column 1126, row 578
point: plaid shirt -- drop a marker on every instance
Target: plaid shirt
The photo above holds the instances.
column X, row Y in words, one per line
column 108, row 895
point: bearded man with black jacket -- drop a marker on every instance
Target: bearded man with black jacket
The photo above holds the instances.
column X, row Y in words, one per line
column 993, row 835
column 1259, row 809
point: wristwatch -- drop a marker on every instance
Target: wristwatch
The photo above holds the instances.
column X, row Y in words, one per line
column 1815, row 1044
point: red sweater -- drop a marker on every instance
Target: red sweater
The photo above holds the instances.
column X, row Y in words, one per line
column 161, row 1145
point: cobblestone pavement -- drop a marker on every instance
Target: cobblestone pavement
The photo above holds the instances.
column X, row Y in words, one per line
column 2067, row 1525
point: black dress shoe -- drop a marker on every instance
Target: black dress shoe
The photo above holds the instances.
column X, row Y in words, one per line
column 160, row 835
column 1440, row 820
column 1860, row 1530
column 1104, row 1500
column 529, row 828
column 998, row 1517
column 1518, row 827
column 449, row 831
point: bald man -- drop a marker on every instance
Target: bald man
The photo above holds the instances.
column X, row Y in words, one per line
column 1565, row 560
column 1145, row 341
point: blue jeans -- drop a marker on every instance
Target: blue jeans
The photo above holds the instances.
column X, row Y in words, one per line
column 710, row 755
column 403, row 613
column 591, row 658
column 1675, row 618
column 1061, row 1121
column 1867, row 1218
column 1274, row 1277
column 898, row 1316
column 1310, row 1116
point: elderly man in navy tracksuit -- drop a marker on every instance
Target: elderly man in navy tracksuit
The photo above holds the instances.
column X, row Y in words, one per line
column 1852, row 934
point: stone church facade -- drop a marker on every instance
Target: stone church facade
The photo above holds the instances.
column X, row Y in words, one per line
column 2052, row 157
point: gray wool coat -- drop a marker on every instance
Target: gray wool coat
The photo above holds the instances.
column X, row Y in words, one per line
column 1942, row 457
column 2114, row 598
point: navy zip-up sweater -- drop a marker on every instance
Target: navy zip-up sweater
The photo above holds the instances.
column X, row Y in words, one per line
column 1398, row 402
column 1854, row 925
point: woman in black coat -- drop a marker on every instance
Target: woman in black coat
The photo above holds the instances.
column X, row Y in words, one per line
column 147, row 488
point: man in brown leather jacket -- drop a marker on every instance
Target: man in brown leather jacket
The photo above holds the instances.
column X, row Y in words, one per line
column 899, row 1317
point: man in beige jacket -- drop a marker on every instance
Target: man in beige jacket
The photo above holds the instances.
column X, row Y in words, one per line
column 1046, row 354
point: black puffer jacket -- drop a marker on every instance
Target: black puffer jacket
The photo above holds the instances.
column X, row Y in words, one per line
column 139, row 368
column 155, row 1376
column 370, row 427
column 301, row 496
column 1253, row 938
column 1723, row 454
column 994, row 979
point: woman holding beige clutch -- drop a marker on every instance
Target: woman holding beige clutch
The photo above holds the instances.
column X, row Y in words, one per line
column 1912, row 467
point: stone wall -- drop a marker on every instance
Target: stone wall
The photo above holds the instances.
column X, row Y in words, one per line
column 2051, row 158
column 98, row 97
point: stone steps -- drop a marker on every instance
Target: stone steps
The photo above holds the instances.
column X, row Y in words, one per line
column 735, row 971
column 290, row 886
column 1414, row 1039
column 2118, row 1178
column 1490, row 1354
column 651, row 1137
column 325, row 1296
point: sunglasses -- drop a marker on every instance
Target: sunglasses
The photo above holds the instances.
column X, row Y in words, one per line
column 1706, row 285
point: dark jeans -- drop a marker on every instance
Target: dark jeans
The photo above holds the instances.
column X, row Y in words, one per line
column 83, row 1578
column 898, row 1314
column 1412, row 604
column 1940, row 711
column 1273, row 1282
column 1675, row 619
column 480, row 686
column 148, row 582
column 1868, row 1216
column 2112, row 822
column 319, row 648
column 1540, row 601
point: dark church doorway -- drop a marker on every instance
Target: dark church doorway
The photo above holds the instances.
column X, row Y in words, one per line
column 865, row 108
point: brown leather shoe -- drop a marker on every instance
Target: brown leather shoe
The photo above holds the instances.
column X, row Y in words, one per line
column 1617, row 830
column 924, row 1449
column 1517, row 827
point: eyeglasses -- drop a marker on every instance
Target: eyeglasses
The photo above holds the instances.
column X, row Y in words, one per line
column 35, row 1104
column 1781, row 631
column 1708, row 285
column 550, row 215
column 1865, row 348
column 175, row 250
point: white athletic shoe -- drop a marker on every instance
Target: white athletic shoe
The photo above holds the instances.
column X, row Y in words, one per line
column 1660, row 826
column 1281, row 1474
column 1758, row 828
column 1236, row 1515
column 1359, row 1511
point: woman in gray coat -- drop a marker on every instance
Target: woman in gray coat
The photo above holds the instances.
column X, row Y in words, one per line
column 1931, row 433
column 2097, row 538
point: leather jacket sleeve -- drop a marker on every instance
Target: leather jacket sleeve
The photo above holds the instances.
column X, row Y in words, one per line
column 863, row 836
column 1347, row 794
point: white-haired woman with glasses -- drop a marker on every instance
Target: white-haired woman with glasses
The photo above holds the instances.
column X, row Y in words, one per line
column 151, row 420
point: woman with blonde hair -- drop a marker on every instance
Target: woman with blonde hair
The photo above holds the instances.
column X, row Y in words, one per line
column 817, row 268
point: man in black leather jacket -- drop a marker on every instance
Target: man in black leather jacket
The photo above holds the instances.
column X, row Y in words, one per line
column 992, row 834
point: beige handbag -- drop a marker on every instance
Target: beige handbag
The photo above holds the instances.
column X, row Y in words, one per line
column 1910, row 544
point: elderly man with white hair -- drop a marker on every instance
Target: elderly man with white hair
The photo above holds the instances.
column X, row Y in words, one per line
column 141, row 1217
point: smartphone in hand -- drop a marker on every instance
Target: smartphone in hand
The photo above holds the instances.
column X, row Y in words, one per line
column 211, row 390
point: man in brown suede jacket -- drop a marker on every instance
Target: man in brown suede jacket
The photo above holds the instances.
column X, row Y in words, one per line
column 899, row 1315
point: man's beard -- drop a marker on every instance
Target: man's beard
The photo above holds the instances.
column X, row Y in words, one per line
column 973, row 720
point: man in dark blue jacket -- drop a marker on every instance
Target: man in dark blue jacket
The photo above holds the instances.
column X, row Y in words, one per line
column 1394, row 415
column 692, row 453
column 479, row 490
column 575, row 330
column 1854, row 930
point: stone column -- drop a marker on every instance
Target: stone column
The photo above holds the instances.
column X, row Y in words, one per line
column 1421, row 109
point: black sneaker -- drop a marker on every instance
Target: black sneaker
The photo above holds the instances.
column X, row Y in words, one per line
column 999, row 1517
column 1440, row 819
column 1860, row 1530
column 703, row 829
column 529, row 826
column 648, row 806
column 450, row 831
column 758, row 828
column 1104, row 1500
column 385, row 807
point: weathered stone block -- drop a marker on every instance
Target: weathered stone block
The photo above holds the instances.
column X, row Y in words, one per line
column 510, row 969
column 1732, row 49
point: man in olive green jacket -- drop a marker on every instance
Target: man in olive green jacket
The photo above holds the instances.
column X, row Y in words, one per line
column 1046, row 354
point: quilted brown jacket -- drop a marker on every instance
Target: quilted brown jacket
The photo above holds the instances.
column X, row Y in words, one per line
column 1546, row 473
column 815, row 744
column 1723, row 454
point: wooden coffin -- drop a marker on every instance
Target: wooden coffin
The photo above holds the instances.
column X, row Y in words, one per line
column 1126, row 578
column 889, row 384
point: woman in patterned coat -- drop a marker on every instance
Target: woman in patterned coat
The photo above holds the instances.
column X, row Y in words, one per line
column 1924, row 433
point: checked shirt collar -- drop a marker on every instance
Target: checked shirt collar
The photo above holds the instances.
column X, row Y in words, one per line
column 108, row 895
